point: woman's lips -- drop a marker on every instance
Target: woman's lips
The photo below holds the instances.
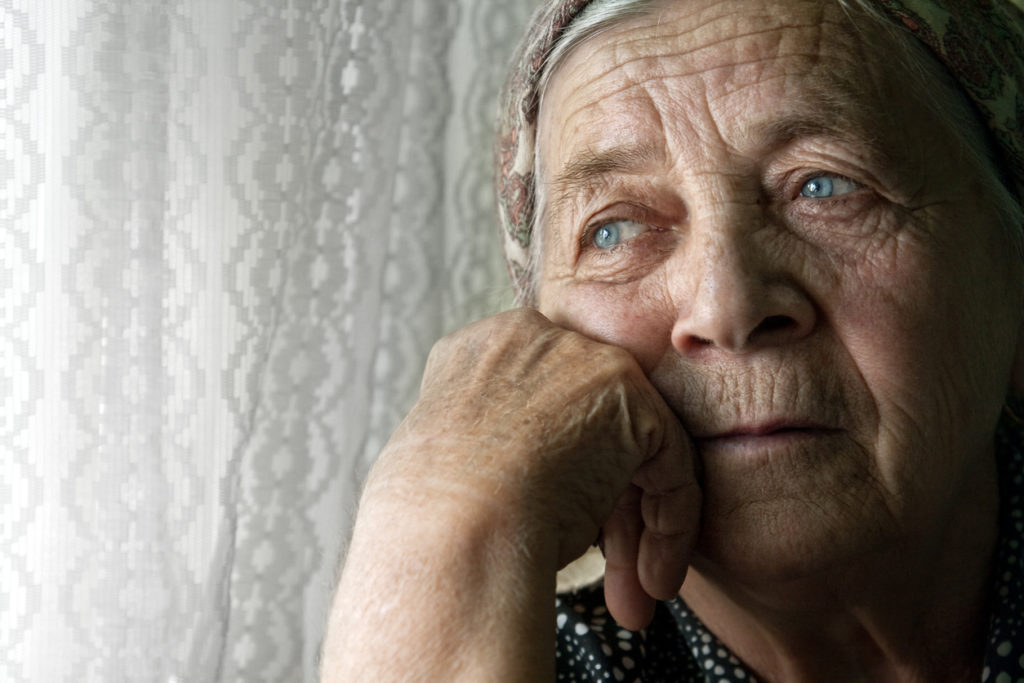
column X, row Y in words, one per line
column 763, row 436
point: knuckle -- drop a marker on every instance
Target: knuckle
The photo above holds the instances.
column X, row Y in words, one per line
column 483, row 332
column 515, row 322
column 612, row 361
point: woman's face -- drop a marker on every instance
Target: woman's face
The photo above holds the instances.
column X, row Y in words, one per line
column 801, row 257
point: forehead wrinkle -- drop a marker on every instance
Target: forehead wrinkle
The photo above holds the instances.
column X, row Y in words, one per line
column 676, row 35
column 629, row 66
column 654, row 29
column 645, row 85
column 649, row 36
column 618, row 159
column 659, row 54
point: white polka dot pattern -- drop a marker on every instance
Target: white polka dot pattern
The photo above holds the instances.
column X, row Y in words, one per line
column 678, row 647
column 1004, row 658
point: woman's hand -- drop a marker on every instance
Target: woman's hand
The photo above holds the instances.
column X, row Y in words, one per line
column 568, row 432
column 534, row 439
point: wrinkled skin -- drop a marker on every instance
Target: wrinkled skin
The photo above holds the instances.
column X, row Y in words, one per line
column 829, row 368
column 567, row 432
column 840, row 358
column 527, row 439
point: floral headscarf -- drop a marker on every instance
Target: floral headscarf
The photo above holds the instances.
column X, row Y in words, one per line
column 981, row 42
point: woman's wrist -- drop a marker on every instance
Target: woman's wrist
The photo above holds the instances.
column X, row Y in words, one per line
column 467, row 583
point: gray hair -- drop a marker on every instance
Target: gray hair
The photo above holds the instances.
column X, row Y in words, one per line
column 597, row 17
column 947, row 102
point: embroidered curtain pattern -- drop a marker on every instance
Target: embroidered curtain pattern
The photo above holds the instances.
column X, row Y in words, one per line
column 230, row 231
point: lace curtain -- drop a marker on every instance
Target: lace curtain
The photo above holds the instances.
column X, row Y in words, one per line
column 230, row 231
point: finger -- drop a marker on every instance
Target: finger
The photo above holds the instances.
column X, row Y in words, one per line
column 670, row 507
column 627, row 601
column 664, row 554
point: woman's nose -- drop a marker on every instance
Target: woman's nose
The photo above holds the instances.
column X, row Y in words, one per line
column 734, row 295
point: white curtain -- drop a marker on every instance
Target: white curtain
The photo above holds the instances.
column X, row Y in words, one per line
column 230, row 231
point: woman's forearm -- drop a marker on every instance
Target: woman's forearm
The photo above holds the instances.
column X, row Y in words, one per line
column 441, row 590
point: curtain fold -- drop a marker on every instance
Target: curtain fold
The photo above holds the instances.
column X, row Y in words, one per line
column 230, row 231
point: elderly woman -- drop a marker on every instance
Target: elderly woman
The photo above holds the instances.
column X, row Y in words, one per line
column 772, row 256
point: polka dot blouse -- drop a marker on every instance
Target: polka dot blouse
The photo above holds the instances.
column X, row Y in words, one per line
column 678, row 647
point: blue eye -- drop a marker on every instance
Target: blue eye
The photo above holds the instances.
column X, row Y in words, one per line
column 827, row 186
column 611, row 235
column 607, row 236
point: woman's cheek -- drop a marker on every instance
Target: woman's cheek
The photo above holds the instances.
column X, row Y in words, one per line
column 633, row 316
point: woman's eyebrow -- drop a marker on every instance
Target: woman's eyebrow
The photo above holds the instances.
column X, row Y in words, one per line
column 589, row 163
column 589, row 167
column 781, row 131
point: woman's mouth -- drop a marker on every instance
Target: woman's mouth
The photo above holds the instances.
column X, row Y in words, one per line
column 762, row 437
